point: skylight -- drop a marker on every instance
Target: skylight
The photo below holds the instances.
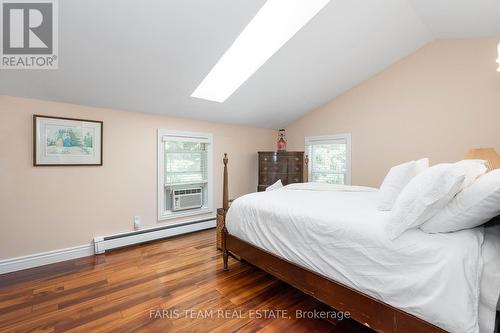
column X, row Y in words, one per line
column 275, row 23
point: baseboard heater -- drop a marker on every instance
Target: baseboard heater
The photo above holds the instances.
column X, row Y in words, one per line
column 105, row 243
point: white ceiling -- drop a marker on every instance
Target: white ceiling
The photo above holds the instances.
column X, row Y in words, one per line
column 150, row 55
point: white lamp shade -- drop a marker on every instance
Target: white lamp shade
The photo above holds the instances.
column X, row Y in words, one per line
column 487, row 154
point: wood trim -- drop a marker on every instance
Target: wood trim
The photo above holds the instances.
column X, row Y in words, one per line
column 306, row 169
column 35, row 116
column 225, row 207
column 225, row 190
column 363, row 308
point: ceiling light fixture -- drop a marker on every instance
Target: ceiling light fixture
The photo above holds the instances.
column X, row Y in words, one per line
column 275, row 23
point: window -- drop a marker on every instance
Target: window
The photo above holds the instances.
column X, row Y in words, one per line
column 184, row 174
column 329, row 158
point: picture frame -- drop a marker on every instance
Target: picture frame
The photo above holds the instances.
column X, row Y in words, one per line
column 60, row 141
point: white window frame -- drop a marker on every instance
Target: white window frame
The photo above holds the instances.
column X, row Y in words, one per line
column 164, row 214
column 328, row 139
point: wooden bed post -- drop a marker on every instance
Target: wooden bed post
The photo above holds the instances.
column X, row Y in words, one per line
column 225, row 207
column 306, row 161
column 225, row 197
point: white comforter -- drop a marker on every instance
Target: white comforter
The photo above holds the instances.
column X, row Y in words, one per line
column 338, row 232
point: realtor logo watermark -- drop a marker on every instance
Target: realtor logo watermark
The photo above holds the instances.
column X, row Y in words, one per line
column 29, row 37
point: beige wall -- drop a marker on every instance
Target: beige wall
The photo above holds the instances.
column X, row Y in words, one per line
column 49, row 208
column 436, row 103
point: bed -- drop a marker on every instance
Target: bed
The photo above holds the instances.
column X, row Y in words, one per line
column 329, row 242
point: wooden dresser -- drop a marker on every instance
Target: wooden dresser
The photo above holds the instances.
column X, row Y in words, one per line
column 287, row 166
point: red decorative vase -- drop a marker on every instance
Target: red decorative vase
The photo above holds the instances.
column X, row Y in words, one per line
column 281, row 145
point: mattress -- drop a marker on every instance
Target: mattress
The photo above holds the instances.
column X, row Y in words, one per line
column 337, row 231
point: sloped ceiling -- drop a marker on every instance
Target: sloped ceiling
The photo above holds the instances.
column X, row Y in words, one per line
column 150, row 55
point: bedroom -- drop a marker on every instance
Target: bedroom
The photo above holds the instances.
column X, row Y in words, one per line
column 115, row 211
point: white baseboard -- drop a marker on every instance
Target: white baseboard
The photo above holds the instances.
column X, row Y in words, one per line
column 102, row 244
column 45, row 258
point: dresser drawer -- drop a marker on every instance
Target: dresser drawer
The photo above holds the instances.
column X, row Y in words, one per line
column 269, row 178
column 273, row 167
column 272, row 159
column 294, row 166
column 294, row 178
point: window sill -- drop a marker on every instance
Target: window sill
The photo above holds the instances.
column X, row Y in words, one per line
column 200, row 182
column 169, row 215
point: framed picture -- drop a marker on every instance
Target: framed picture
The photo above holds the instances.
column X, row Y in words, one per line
column 66, row 141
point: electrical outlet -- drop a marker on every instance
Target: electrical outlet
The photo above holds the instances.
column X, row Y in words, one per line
column 137, row 222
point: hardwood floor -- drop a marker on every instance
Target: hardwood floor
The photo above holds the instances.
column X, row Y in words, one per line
column 175, row 285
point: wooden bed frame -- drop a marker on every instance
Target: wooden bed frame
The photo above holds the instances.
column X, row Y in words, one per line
column 365, row 309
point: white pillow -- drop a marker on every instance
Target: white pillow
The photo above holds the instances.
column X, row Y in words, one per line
column 422, row 165
column 275, row 186
column 424, row 196
column 396, row 179
column 473, row 170
column 474, row 206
